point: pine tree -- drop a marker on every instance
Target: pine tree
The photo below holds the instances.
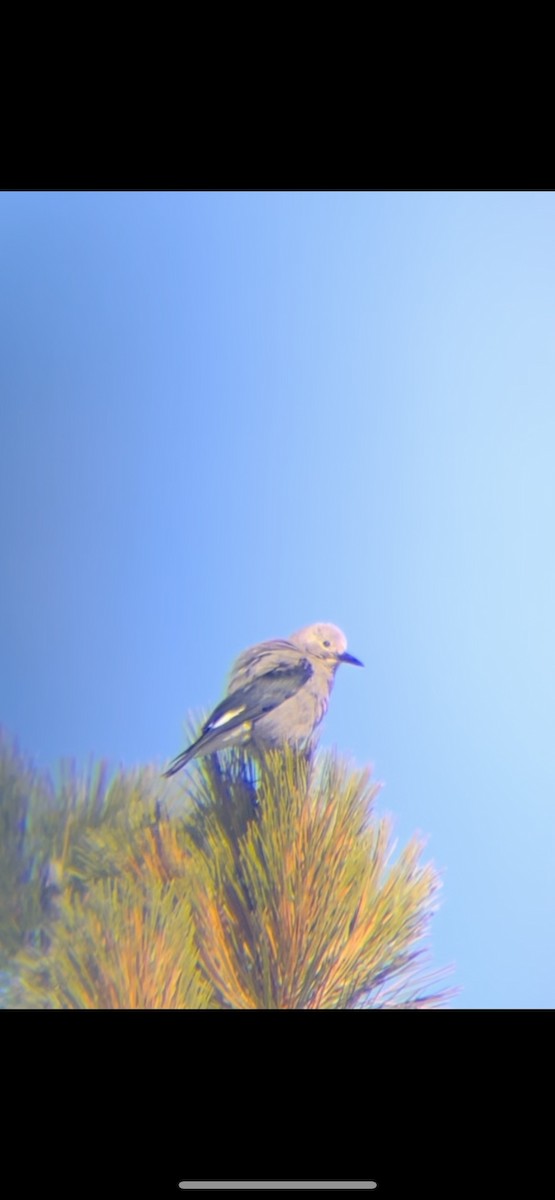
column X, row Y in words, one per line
column 258, row 883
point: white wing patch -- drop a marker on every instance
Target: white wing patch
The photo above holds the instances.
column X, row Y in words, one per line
column 227, row 716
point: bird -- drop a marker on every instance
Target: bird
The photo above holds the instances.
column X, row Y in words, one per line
column 278, row 692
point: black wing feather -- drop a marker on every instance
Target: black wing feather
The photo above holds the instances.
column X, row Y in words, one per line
column 262, row 695
column 265, row 693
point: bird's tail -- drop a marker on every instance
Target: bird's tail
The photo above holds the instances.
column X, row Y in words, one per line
column 181, row 761
column 211, row 740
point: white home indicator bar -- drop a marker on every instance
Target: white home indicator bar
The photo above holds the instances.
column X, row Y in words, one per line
column 279, row 1184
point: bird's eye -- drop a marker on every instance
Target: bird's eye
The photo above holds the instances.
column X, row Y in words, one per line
column 326, row 643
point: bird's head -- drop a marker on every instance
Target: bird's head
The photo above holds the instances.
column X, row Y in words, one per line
column 326, row 642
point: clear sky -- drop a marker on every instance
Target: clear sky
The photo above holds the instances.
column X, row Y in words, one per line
column 225, row 416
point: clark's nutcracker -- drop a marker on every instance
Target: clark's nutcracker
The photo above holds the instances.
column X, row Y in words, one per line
column 278, row 692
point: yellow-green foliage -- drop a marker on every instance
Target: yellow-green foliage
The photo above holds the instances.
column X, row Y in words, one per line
column 22, row 792
column 118, row 930
column 270, row 884
column 304, row 909
column 114, row 947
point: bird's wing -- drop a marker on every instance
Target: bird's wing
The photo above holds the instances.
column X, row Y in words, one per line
column 260, row 696
column 244, row 705
column 259, row 660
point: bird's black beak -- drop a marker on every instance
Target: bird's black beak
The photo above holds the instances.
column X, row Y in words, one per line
column 349, row 658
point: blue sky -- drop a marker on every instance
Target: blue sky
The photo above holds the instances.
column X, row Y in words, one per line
column 225, row 416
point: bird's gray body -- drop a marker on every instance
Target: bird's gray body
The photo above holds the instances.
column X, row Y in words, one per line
column 278, row 692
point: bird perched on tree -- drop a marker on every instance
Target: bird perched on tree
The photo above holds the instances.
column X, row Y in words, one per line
column 278, row 692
